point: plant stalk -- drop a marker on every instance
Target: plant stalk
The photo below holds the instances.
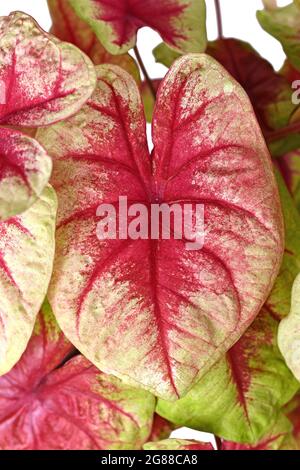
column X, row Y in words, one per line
column 219, row 18
column 144, row 70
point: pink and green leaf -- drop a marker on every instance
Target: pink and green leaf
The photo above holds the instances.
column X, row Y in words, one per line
column 26, row 260
column 52, row 400
column 284, row 24
column 25, row 169
column 67, row 26
column 280, row 437
column 178, row 444
column 43, row 80
column 161, row 429
column 180, row 23
column 159, row 324
column 241, row 396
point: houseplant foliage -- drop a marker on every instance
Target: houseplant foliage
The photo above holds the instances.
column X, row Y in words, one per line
column 112, row 343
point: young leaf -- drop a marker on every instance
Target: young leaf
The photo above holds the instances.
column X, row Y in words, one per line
column 139, row 308
column 26, row 259
column 50, row 400
column 42, row 79
column 178, row 444
column 25, row 169
column 68, row 27
column 181, row 23
column 289, row 332
column 284, row 25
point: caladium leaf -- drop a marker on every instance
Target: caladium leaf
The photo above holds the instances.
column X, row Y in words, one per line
column 42, row 79
column 161, row 429
column 51, row 400
column 25, row 169
column 284, row 24
column 279, row 438
column 181, row 23
column 165, row 55
column 68, row 27
column 178, row 444
column 26, row 260
column 292, row 411
column 139, row 309
column 240, row 397
column 289, row 332
column 279, row 300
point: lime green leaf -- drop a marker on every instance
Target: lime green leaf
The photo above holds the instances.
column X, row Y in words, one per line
column 26, row 258
column 284, row 25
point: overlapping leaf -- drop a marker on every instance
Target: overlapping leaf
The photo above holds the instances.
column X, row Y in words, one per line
column 181, row 23
column 178, row 444
column 25, row 169
column 149, row 311
column 42, row 79
column 53, row 401
column 26, row 259
column 279, row 438
column 68, row 27
column 289, row 332
column 240, row 397
column 284, row 24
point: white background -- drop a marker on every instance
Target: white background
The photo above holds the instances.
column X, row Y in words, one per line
column 239, row 21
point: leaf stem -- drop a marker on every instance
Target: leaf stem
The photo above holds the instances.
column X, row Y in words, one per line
column 144, row 70
column 219, row 19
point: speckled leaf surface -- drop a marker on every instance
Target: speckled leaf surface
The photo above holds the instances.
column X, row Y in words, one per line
column 240, row 397
column 25, row 169
column 284, row 24
column 289, row 332
column 181, row 23
column 68, row 27
column 51, row 401
column 178, row 444
column 26, row 260
column 43, row 80
column 149, row 311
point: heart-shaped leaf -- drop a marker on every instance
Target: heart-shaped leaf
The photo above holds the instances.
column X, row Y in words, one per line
column 284, row 24
column 26, row 259
column 181, row 23
column 50, row 400
column 68, row 27
column 151, row 311
column 25, row 169
column 289, row 332
column 42, row 80
column 178, row 444
column 240, row 397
